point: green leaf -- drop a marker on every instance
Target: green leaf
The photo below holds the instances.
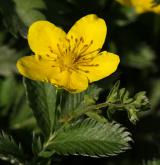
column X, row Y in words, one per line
column 89, row 138
column 155, row 94
column 6, row 99
column 125, row 16
column 96, row 116
column 36, row 144
column 30, row 11
column 21, row 116
column 152, row 162
column 73, row 103
column 10, row 151
column 42, row 100
column 14, row 106
column 112, row 96
column 135, row 104
column 19, row 14
column 141, row 58
column 8, row 58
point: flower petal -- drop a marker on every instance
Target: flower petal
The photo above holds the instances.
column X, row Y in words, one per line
column 43, row 36
column 102, row 66
column 71, row 81
column 156, row 9
column 142, row 6
column 92, row 29
column 41, row 70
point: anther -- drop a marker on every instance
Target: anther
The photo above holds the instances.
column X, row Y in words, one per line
column 86, row 71
column 81, row 39
column 68, row 40
column 58, row 46
column 85, row 46
column 96, row 65
column 50, row 49
column 83, row 54
column 92, row 65
column 76, row 40
column 39, row 57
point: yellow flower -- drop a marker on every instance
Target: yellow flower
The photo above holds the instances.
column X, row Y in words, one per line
column 71, row 60
column 142, row 6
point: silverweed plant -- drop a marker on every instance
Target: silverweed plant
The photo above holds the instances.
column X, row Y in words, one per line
column 68, row 94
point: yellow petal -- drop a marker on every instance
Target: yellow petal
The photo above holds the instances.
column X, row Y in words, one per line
column 142, row 6
column 41, row 70
column 156, row 9
column 71, row 81
column 44, row 36
column 92, row 29
column 102, row 66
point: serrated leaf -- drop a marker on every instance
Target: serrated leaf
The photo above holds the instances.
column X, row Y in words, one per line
column 96, row 116
column 72, row 103
column 135, row 104
column 89, row 138
column 112, row 96
column 36, row 144
column 42, row 100
column 10, row 151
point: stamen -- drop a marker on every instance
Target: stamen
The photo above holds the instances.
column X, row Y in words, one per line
column 68, row 40
column 58, row 46
column 76, row 40
column 51, row 50
column 39, row 57
column 86, row 71
column 84, row 60
column 82, row 39
column 69, row 44
column 83, row 55
column 94, row 65
column 85, row 47
column 76, row 44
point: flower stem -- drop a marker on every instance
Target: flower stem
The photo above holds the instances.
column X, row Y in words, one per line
column 89, row 108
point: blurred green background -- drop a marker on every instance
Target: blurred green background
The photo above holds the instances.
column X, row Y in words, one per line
column 135, row 38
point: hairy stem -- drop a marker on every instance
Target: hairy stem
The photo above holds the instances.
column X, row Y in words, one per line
column 89, row 108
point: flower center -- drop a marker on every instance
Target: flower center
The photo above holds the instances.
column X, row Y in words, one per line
column 74, row 53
